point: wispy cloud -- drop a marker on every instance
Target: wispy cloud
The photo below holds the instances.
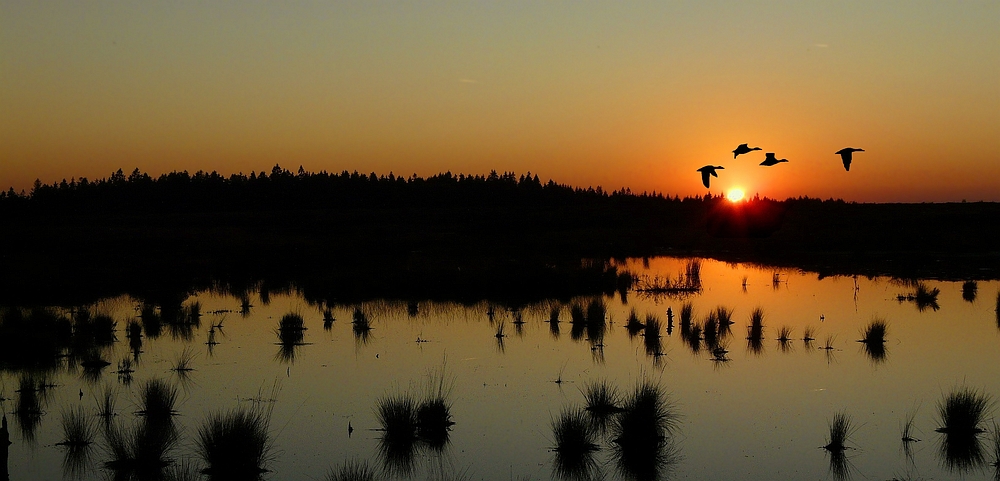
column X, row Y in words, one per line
column 820, row 45
column 467, row 81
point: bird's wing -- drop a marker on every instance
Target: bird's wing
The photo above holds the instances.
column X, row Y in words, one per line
column 847, row 161
column 705, row 176
column 714, row 174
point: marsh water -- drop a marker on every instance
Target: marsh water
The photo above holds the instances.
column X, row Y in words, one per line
column 758, row 411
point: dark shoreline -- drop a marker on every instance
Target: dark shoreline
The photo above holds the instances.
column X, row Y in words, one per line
column 498, row 238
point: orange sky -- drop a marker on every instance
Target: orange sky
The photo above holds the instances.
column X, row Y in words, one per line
column 587, row 93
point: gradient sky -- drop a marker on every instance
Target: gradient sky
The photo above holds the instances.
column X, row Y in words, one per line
column 636, row 94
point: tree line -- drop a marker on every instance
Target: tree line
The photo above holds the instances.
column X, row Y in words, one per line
column 283, row 189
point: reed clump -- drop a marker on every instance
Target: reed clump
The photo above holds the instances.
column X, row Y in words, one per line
column 687, row 315
column 141, row 451
column 964, row 411
column 711, row 330
column 360, row 324
column 841, row 429
column 633, row 325
column 651, row 336
column 875, row 332
column 873, row 339
column 575, row 444
column 755, row 331
column 183, row 362
column 640, row 434
column 236, row 444
column 158, row 399
column 970, row 289
column 78, row 431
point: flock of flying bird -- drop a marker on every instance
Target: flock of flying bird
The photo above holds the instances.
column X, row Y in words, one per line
column 708, row 171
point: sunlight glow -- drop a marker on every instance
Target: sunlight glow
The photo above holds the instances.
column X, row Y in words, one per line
column 735, row 195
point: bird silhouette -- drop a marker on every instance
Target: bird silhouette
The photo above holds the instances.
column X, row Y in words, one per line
column 350, row 429
column 743, row 149
column 846, row 155
column 771, row 160
column 707, row 171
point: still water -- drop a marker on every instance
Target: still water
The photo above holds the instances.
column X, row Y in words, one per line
column 759, row 411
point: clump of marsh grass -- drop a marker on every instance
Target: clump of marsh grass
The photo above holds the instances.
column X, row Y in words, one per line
column 575, row 444
column 711, row 330
column 397, row 446
column 328, row 319
column 923, row 297
column 182, row 363
column 140, row 451
column 361, row 326
column 28, row 405
column 78, row 431
column 640, row 434
column 963, row 411
column 578, row 322
column 755, row 331
column 784, row 338
column 106, row 404
column 841, row 429
column 687, row 315
column 245, row 307
column 873, row 339
column 603, row 402
column 724, row 315
column 784, row 334
column 157, row 400
column 694, row 338
column 291, row 323
column 907, row 429
column 133, row 329
column 291, row 335
column 434, row 411
column 596, row 320
column 962, row 414
column 353, row 470
column 236, row 444
column 554, row 322
column 633, row 325
column 651, row 336
column 807, row 335
column 78, row 437
column 692, row 273
column 969, row 291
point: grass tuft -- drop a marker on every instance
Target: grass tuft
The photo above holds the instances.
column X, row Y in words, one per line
column 77, row 430
column 158, row 400
column 841, row 429
column 964, row 411
column 575, row 445
column 640, row 435
column 236, row 443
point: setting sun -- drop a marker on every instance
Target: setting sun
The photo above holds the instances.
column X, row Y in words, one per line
column 735, row 195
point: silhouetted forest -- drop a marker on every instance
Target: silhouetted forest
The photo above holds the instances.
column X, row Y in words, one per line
column 352, row 235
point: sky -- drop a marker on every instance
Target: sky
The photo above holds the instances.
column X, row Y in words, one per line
column 616, row 94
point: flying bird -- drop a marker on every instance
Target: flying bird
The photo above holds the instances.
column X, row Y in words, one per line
column 771, row 160
column 846, row 154
column 707, row 171
column 743, row 149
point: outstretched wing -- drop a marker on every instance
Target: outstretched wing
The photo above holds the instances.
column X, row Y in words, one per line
column 705, row 176
column 845, row 155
